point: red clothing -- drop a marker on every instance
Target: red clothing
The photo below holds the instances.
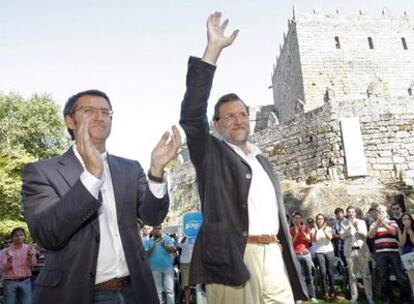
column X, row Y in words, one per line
column 384, row 240
column 300, row 245
column 16, row 263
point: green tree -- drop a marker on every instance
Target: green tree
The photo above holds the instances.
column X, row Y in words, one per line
column 30, row 129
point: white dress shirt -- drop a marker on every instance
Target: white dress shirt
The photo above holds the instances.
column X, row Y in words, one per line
column 111, row 257
column 261, row 200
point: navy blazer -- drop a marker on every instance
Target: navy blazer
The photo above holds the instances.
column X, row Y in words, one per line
column 62, row 218
column 223, row 183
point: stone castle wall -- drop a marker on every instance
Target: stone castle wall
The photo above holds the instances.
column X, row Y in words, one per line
column 332, row 51
column 287, row 79
column 310, row 143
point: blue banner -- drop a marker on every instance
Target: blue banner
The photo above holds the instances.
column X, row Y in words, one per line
column 192, row 223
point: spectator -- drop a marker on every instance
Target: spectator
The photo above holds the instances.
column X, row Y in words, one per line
column 322, row 235
column 354, row 233
column 146, row 233
column 396, row 214
column 16, row 262
column 301, row 239
column 339, row 243
column 371, row 218
column 158, row 250
column 331, row 221
column 384, row 232
column 186, row 245
column 359, row 213
column 406, row 238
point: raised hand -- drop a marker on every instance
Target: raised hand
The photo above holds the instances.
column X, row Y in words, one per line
column 216, row 40
column 89, row 153
column 165, row 150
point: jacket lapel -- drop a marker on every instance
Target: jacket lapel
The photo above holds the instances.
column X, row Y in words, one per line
column 118, row 182
column 70, row 168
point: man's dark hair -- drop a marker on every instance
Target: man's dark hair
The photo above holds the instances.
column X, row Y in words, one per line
column 297, row 213
column 224, row 99
column 70, row 105
column 338, row 209
column 396, row 204
column 17, row 229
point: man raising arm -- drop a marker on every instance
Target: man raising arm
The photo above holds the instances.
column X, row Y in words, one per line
column 236, row 252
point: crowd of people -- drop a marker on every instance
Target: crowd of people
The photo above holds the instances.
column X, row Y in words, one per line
column 376, row 248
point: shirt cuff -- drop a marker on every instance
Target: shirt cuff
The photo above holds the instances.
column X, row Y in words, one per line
column 157, row 189
column 91, row 183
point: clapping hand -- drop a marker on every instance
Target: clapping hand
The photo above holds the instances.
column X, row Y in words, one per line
column 89, row 153
column 165, row 150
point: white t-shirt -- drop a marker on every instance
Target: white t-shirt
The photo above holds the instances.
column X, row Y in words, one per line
column 322, row 243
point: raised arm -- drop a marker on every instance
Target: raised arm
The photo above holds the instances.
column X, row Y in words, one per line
column 216, row 40
column 200, row 75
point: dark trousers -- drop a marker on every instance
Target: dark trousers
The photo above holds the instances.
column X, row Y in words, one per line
column 326, row 266
column 391, row 260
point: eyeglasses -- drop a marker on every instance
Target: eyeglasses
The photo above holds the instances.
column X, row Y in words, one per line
column 395, row 208
column 89, row 110
column 234, row 116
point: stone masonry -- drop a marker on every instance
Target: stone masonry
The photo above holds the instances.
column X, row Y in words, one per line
column 345, row 54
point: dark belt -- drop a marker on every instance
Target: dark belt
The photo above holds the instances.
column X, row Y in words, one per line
column 355, row 248
column 114, row 284
column 302, row 253
column 18, row 280
column 262, row 239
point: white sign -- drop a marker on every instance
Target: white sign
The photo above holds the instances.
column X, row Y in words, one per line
column 356, row 164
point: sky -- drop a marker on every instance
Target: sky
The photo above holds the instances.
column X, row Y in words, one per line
column 137, row 52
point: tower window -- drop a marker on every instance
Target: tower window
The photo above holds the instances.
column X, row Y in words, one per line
column 370, row 43
column 404, row 43
column 410, row 92
column 337, row 43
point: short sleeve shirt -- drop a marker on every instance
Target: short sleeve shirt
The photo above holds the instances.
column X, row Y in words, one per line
column 159, row 259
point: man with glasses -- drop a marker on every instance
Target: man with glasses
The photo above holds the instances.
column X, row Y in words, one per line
column 83, row 206
column 396, row 214
column 236, row 252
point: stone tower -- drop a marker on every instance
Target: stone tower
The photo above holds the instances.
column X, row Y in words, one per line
column 356, row 56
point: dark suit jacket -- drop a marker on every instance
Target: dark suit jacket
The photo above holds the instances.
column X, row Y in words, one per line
column 62, row 217
column 224, row 181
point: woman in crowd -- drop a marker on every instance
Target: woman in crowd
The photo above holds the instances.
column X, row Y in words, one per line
column 321, row 236
column 406, row 239
column 301, row 239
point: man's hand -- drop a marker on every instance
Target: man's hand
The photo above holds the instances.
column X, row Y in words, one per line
column 165, row 150
column 89, row 153
column 216, row 40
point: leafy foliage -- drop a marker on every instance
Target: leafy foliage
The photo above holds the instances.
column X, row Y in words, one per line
column 30, row 129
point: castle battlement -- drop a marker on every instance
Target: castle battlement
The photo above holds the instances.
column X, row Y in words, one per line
column 345, row 53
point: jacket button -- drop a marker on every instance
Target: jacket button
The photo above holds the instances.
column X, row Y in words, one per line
column 92, row 274
column 97, row 239
column 244, row 206
column 248, row 176
column 244, row 233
